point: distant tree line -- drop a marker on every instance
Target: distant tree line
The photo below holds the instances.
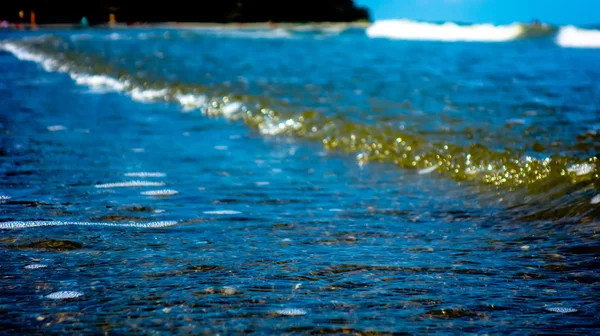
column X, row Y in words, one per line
column 48, row 11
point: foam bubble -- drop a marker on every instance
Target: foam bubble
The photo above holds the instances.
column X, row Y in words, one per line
column 148, row 95
column 32, row 224
column 222, row 212
column 229, row 109
column 56, row 128
column 100, row 81
column 191, row 102
column 164, row 192
column 562, row 310
column 581, row 168
column 35, row 266
column 145, row 174
column 130, row 184
column 64, row 295
column 291, row 312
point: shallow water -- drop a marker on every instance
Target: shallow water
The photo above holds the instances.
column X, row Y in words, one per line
column 311, row 182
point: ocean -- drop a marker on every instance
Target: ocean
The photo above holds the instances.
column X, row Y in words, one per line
column 406, row 178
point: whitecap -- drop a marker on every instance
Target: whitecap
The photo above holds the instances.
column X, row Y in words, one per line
column 64, row 295
column 191, row 102
column 573, row 37
column 595, row 199
column 221, row 148
column 164, row 192
column 130, row 184
column 148, row 95
column 222, row 212
column 229, row 109
column 100, row 81
column 449, row 31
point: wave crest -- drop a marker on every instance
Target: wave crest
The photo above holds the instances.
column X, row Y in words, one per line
column 449, row 31
column 572, row 37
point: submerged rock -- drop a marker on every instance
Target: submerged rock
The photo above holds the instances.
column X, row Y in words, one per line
column 53, row 245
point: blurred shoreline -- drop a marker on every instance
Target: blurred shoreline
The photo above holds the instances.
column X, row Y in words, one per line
column 200, row 25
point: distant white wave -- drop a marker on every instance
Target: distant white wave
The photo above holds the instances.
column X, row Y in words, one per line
column 412, row 30
column 278, row 33
column 573, row 37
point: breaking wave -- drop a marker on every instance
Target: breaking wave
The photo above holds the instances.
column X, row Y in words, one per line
column 567, row 175
column 573, row 37
column 451, row 32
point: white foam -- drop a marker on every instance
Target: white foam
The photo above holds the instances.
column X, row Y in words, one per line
column 412, row 30
column 145, row 174
column 100, row 81
column 191, row 102
column 25, row 55
column 50, row 64
column 229, row 109
column 4, row 198
column 572, row 37
column 222, row 212
column 148, row 95
column 164, row 192
column 64, row 295
column 581, row 168
column 562, row 310
column 56, row 128
column 32, row 224
column 35, row 266
column 595, row 199
column 291, row 312
column 130, row 184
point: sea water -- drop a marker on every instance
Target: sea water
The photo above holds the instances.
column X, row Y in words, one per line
column 162, row 181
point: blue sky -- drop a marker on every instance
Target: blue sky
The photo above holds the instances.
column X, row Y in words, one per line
column 493, row 11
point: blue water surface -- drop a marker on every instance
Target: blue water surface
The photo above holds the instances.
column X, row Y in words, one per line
column 266, row 223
